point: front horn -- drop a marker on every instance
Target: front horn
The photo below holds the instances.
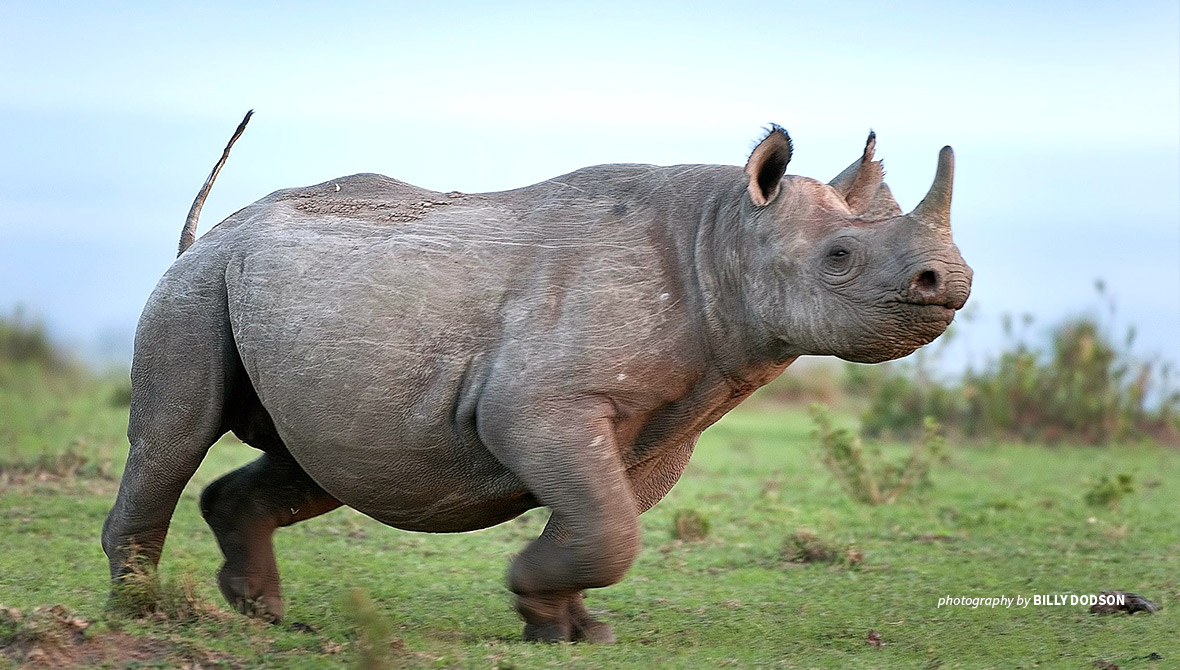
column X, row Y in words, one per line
column 935, row 208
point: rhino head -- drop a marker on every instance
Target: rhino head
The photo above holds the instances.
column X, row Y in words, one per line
column 838, row 269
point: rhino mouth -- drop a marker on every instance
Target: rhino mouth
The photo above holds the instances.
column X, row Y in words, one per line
column 941, row 312
column 926, row 311
column 913, row 325
column 926, row 321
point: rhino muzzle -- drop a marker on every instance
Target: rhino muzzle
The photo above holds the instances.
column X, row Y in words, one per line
column 944, row 284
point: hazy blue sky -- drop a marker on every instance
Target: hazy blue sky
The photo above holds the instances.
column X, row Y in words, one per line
column 1065, row 118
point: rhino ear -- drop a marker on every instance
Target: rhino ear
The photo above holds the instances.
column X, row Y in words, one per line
column 863, row 187
column 767, row 165
column 846, row 181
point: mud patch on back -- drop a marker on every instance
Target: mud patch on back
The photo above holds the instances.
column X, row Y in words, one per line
column 373, row 198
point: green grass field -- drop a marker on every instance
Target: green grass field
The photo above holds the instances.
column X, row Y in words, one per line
column 1000, row 520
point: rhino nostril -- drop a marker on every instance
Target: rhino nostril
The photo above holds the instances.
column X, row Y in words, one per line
column 925, row 282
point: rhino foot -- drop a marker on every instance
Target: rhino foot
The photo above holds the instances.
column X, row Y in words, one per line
column 244, row 508
column 247, row 598
column 594, row 632
column 572, row 623
column 585, row 627
column 554, row 631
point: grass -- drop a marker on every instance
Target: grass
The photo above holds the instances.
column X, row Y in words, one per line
column 999, row 520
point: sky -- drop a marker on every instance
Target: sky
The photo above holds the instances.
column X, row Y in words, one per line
column 1065, row 119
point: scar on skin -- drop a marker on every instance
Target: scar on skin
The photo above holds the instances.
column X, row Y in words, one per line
column 598, row 440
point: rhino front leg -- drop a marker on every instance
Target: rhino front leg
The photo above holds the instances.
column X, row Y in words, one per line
column 569, row 460
column 244, row 508
column 582, row 627
column 650, row 482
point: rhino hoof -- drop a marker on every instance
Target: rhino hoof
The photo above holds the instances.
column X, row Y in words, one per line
column 594, row 632
column 268, row 608
column 558, row 631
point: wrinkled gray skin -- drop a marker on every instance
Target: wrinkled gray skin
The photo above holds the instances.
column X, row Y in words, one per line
column 444, row 362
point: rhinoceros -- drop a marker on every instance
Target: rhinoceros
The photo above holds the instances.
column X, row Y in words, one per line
column 443, row 362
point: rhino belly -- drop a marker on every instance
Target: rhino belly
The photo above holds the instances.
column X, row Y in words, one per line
column 370, row 379
column 389, row 437
column 419, row 488
column 396, row 456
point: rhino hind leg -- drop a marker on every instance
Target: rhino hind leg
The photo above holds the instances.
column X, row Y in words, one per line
column 244, row 508
column 134, row 531
column 181, row 369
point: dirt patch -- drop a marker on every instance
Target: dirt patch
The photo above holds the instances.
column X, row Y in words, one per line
column 805, row 546
column 120, row 649
column 32, row 480
column 690, row 525
column 54, row 637
column 65, row 469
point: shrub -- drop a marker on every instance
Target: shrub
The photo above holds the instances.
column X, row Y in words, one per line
column 121, row 394
column 807, row 381
column 375, row 641
column 23, row 340
column 870, row 479
column 143, row 593
column 1107, row 492
column 690, row 525
column 1085, row 387
column 900, row 397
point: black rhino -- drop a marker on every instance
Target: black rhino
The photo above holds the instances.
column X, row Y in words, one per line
column 443, row 362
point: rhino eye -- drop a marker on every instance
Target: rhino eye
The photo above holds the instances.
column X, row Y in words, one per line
column 839, row 261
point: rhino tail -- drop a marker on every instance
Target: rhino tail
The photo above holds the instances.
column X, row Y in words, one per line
column 189, row 234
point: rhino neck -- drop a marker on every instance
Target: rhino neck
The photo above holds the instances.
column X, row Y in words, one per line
column 738, row 343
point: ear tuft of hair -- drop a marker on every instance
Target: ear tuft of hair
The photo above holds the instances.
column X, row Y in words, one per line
column 776, row 128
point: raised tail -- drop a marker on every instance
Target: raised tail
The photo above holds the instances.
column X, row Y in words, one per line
column 189, row 234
